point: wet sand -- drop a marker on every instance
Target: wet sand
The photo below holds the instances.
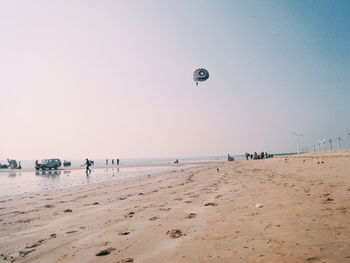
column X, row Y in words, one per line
column 6, row 170
column 205, row 214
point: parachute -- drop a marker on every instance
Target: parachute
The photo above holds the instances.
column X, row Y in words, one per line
column 200, row 75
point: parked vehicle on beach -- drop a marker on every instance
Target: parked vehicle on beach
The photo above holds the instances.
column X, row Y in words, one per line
column 66, row 163
column 48, row 164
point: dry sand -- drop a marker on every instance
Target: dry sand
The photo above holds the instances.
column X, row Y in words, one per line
column 197, row 215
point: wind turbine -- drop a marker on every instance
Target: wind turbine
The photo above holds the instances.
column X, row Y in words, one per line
column 314, row 147
column 339, row 139
column 330, row 143
column 324, row 144
column 298, row 135
column 319, row 145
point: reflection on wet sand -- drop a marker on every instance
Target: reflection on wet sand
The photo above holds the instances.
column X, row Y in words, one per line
column 13, row 174
column 49, row 173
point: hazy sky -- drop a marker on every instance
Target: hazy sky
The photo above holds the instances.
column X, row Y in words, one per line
column 114, row 78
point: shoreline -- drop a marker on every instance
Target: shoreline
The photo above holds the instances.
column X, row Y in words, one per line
column 70, row 168
column 198, row 215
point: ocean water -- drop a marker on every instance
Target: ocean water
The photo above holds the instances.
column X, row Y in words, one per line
column 24, row 182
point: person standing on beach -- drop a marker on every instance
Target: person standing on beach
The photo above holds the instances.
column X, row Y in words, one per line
column 117, row 161
column 88, row 164
column 106, row 161
column 112, row 161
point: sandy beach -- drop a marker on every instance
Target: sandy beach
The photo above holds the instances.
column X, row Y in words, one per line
column 204, row 214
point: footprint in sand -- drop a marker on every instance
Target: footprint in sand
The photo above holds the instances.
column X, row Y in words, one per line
column 71, row 232
column 190, row 216
column 130, row 214
column 165, row 209
column 210, row 204
column 38, row 243
column 313, row 259
column 24, row 253
column 126, row 260
column 105, row 252
column 175, row 233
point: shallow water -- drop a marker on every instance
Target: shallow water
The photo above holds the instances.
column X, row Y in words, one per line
column 15, row 183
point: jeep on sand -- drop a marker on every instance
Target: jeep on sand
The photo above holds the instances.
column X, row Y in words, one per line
column 48, row 164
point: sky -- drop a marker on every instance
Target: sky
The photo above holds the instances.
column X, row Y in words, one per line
column 113, row 79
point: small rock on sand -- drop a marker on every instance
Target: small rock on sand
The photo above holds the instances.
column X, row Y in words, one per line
column 68, row 211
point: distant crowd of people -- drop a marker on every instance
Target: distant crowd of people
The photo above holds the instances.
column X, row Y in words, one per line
column 12, row 164
column 88, row 163
column 112, row 161
column 256, row 156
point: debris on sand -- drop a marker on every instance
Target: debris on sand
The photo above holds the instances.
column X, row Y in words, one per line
column 210, row 204
column 68, row 211
column 259, row 205
column 105, row 252
column 175, row 233
column 124, row 233
column 153, row 218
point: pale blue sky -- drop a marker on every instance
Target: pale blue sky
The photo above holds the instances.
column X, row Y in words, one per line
column 114, row 78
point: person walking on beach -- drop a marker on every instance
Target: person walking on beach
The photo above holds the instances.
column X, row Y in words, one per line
column 112, row 161
column 117, row 161
column 88, row 164
column 106, row 161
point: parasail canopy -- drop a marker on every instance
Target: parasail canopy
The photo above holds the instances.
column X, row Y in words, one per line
column 200, row 74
